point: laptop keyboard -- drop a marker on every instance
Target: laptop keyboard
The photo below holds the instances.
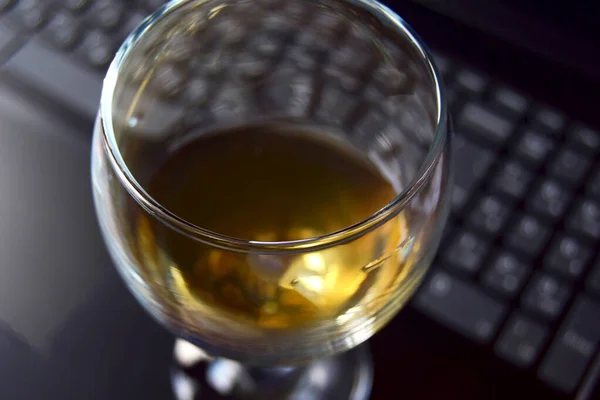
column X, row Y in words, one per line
column 63, row 47
column 518, row 268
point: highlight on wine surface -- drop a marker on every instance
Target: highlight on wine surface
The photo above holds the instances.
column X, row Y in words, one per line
column 271, row 177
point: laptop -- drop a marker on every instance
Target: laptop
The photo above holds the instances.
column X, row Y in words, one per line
column 511, row 306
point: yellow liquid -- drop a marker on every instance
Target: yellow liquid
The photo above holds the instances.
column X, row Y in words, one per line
column 272, row 183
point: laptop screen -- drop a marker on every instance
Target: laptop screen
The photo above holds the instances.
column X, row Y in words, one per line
column 566, row 31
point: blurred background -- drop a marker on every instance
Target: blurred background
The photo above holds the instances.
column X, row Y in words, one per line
column 511, row 307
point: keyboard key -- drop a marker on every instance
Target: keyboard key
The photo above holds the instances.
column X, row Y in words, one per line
column 466, row 252
column 512, row 180
column 75, row 5
column 593, row 184
column 549, row 200
column 471, row 163
column 470, row 81
column 549, row 120
column 169, row 79
column 584, row 219
column 534, row 147
column 573, row 347
column 545, row 296
column 509, row 101
column 442, row 63
column 570, row 166
column 353, row 56
column 461, row 306
column 106, row 14
column 506, row 275
column 592, row 282
column 392, row 81
column 63, row 30
column 291, row 92
column 584, row 138
column 9, row 40
column 5, row 4
column 335, row 106
column 489, row 215
column 521, row 340
column 567, row 257
column 303, row 58
column 56, row 76
column 484, row 124
column 29, row 15
column 459, row 199
column 370, row 125
column 97, row 49
column 528, row 236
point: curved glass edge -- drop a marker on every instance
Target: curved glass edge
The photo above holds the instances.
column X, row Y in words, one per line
column 388, row 17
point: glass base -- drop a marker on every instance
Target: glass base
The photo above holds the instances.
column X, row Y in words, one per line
column 196, row 376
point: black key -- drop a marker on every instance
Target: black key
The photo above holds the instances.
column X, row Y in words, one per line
column 106, row 14
column 74, row 5
column 305, row 59
column 521, row 340
column 97, row 48
column 574, row 346
column 534, row 147
column 570, row 166
column 592, row 281
column 344, row 82
column 461, row 306
column 512, row 180
column 63, row 30
column 452, row 96
column 593, row 184
column 470, row 81
column 584, row 138
column 10, row 40
column 370, row 125
column 295, row 97
column 506, row 275
column 471, row 163
column 549, row 120
column 442, row 63
column 484, row 124
column 351, row 56
column 335, row 106
column 489, row 215
column 392, row 81
column 545, row 296
column 549, row 200
column 584, row 219
column 29, row 15
column 509, row 101
column 4, row 4
column 567, row 257
column 466, row 252
column 528, row 236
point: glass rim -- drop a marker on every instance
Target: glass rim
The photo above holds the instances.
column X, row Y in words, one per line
column 315, row 243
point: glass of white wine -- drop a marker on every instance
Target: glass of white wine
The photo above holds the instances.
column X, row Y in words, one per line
column 271, row 178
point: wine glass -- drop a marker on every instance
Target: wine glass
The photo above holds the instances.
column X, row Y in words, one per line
column 355, row 70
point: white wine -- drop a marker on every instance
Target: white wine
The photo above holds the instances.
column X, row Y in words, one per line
column 272, row 182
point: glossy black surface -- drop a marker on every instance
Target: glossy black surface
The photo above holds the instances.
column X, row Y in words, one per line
column 71, row 330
